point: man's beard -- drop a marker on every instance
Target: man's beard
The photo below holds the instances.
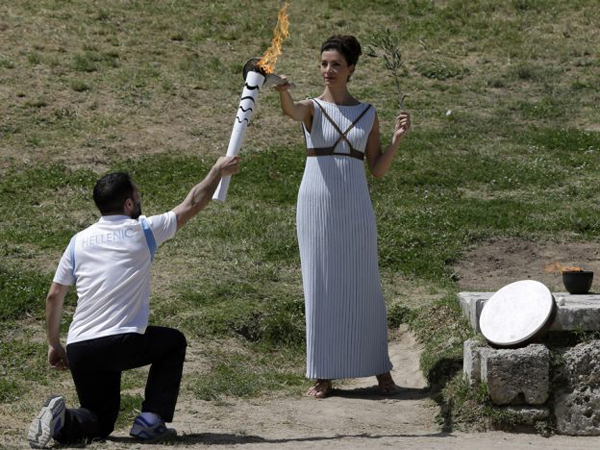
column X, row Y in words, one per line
column 136, row 211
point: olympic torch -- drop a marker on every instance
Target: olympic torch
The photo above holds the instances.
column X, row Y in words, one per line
column 254, row 80
column 257, row 73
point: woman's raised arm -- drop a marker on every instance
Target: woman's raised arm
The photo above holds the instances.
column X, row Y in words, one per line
column 299, row 111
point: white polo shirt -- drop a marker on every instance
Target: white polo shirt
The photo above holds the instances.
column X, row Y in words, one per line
column 110, row 265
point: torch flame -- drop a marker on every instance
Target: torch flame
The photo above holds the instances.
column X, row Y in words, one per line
column 557, row 267
column 280, row 34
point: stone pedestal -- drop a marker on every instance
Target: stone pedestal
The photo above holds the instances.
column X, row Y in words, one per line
column 521, row 377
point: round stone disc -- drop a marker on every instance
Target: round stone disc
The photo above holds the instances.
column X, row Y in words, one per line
column 516, row 312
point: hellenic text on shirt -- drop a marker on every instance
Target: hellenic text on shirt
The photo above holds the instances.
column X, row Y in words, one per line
column 108, row 239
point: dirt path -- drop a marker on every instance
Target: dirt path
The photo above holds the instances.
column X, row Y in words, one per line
column 354, row 417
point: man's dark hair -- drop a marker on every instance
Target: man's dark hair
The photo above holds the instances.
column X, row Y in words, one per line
column 111, row 191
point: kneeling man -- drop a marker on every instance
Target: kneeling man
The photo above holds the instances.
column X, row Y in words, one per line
column 109, row 262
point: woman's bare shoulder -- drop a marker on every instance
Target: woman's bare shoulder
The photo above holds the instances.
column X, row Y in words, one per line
column 307, row 102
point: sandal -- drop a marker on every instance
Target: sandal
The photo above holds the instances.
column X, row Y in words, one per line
column 386, row 384
column 321, row 389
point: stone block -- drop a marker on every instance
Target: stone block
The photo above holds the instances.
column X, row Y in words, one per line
column 517, row 376
column 513, row 376
column 577, row 397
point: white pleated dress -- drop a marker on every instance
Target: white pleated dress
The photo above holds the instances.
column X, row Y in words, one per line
column 346, row 327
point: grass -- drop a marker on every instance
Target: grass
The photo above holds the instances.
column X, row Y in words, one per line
column 505, row 143
column 80, row 86
column 238, row 374
column 10, row 390
column 443, row 329
column 20, row 293
column 470, row 408
column 131, row 406
column 242, row 309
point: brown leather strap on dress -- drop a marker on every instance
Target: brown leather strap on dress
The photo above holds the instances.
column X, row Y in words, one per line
column 324, row 151
column 331, row 150
column 345, row 133
column 335, row 125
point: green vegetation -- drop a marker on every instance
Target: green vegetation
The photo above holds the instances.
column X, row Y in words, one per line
column 131, row 406
column 245, row 375
column 20, row 294
column 23, row 366
column 10, row 390
column 505, row 143
column 257, row 313
column 465, row 407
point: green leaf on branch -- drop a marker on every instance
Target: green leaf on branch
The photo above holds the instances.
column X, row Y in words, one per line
column 388, row 49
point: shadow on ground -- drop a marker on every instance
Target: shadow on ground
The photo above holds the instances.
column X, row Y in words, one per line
column 240, row 439
column 373, row 393
column 439, row 376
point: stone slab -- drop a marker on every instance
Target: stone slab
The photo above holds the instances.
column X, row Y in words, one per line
column 574, row 312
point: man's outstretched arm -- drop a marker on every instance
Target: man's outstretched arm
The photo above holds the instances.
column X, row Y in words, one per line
column 200, row 195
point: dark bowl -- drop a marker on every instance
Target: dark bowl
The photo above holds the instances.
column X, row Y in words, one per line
column 578, row 282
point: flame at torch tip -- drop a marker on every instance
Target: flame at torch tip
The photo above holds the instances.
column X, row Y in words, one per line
column 280, row 34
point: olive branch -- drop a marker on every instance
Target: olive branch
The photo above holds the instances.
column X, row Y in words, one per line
column 388, row 49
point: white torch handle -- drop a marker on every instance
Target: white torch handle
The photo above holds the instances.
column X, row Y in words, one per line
column 235, row 143
column 254, row 81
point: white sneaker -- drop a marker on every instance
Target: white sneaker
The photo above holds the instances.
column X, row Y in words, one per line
column 47, row 423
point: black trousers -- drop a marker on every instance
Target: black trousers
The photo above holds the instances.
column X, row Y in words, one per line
column 96, row 367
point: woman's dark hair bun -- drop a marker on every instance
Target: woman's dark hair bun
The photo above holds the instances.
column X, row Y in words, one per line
column 347, row 45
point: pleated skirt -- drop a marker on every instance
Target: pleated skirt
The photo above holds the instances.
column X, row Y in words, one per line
column 346, row 327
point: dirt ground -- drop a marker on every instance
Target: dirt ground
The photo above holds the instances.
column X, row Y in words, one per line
column 496, row 263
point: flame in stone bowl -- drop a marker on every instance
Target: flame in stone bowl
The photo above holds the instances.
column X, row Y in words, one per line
column 280, row 34
column 558, row 268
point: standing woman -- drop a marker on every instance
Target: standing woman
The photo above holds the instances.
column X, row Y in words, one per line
column 346, row 327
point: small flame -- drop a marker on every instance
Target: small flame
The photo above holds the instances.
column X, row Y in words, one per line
column 557, row 267
column 280, row 34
